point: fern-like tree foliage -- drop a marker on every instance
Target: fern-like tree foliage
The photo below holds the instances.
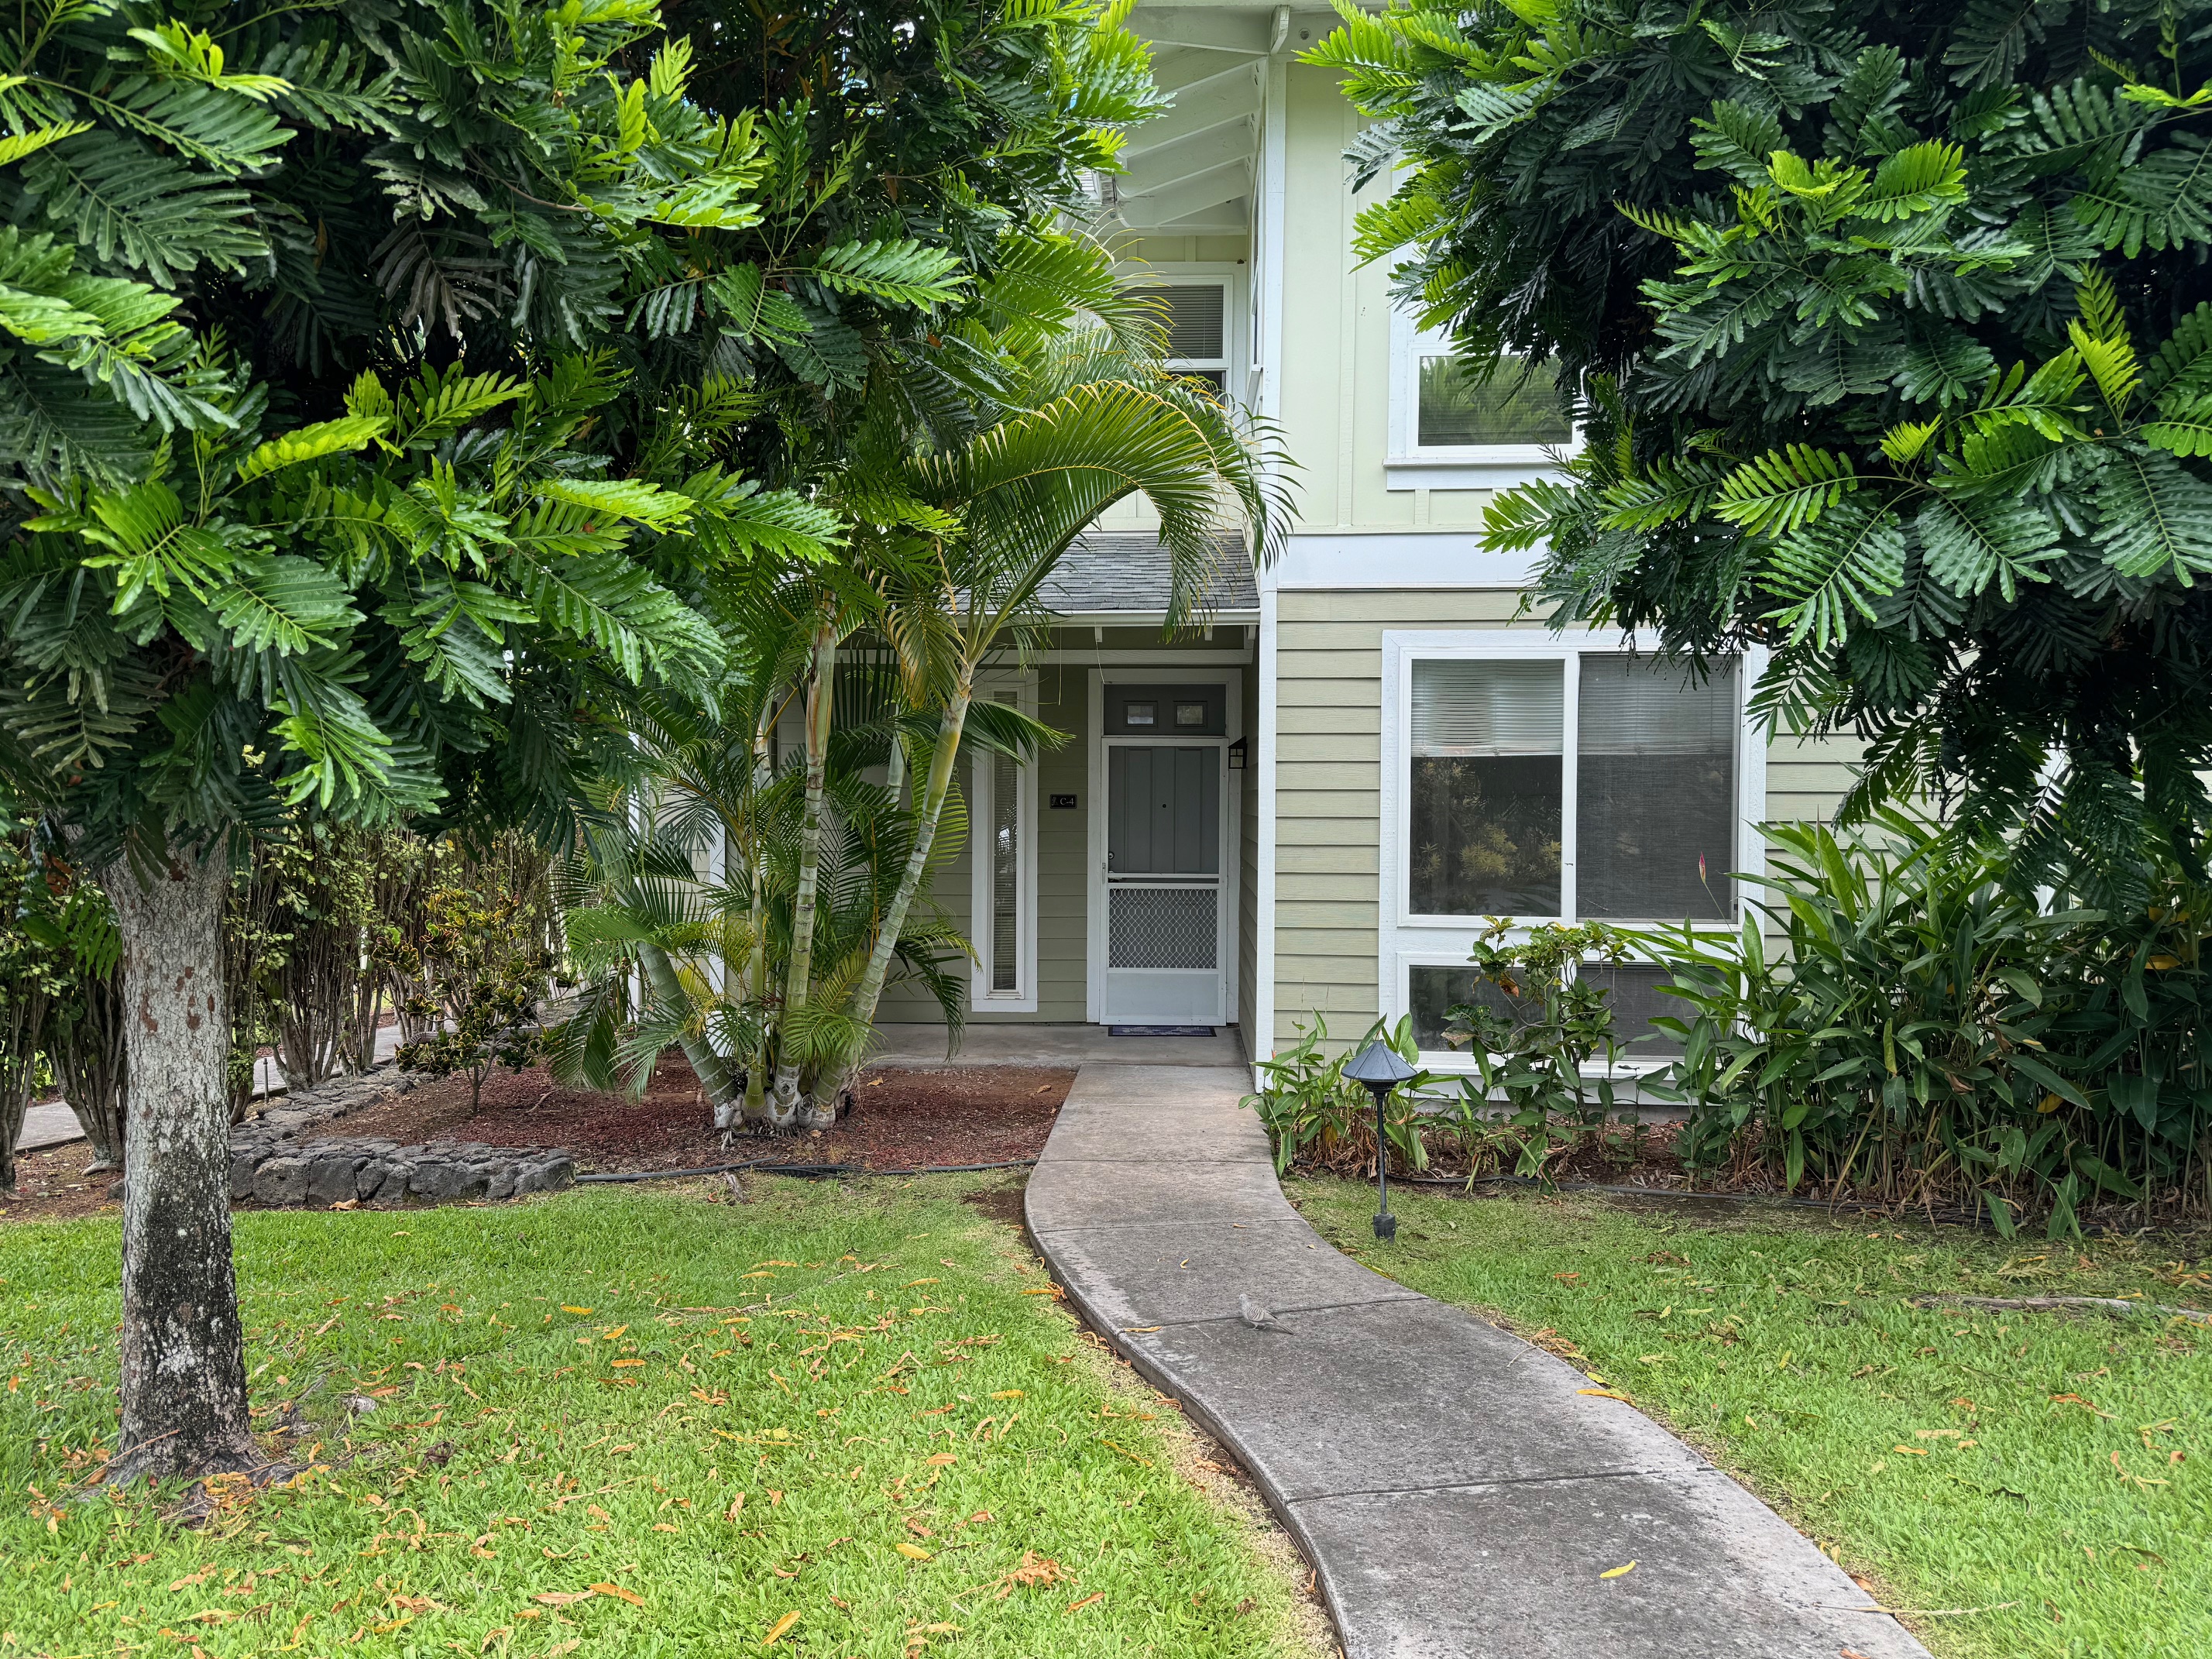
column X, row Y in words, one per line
column 1893, row 328
column 317, row 497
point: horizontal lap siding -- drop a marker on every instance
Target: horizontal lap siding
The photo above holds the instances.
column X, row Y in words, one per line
column 1328, row 800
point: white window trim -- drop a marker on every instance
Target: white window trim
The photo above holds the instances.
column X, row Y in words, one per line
column 1409, row 465
column 1408, row 939
column 1234, row 281
column 981, row 997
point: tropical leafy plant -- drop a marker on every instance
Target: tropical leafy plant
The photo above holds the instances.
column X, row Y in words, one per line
column 483, row 962
column 1894, row 335
column 1313, row 1111
column 319, row 504
column 1897, row 1022
column 1540, row 1032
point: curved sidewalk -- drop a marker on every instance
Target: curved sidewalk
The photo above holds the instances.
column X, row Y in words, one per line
column 1456, row 1493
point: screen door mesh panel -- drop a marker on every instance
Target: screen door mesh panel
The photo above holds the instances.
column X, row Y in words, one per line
column 1163, row 927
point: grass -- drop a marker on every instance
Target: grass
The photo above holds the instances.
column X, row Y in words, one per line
column 2053, row 1470
column 830, row 1423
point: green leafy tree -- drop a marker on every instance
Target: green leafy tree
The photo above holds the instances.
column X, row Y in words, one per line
column 307, row 406
column 1894, row 335
column 484, row 961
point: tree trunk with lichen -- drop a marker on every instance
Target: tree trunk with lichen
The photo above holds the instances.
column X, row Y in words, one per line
column 184, row 1356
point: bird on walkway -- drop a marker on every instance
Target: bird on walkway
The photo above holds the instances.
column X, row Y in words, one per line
column 1255, row 1313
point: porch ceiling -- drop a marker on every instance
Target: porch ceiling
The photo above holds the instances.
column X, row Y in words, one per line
column 1190, row 171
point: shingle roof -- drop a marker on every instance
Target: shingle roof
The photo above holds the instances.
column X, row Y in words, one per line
column 1127, row 574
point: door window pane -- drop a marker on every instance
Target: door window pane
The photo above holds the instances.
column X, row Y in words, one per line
column 1456, row 409
column 1006, row 874
column 1487, row 787
column 1655, row 796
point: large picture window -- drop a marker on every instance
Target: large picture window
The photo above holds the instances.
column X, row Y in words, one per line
column 1647, row 764
column 1543, row 778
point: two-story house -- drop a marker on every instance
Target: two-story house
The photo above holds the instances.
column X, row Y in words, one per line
column 1311, row 803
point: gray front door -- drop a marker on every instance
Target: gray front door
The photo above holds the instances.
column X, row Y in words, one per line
column 1165, row 890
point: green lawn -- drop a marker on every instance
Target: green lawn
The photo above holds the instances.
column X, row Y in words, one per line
column 1955, row 1460
column 829, row 1420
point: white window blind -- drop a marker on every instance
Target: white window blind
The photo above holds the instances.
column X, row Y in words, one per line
column 1469, row 708
column 1195, row 320
column 1635, row 705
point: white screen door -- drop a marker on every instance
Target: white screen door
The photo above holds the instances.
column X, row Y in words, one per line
column 1164, row 886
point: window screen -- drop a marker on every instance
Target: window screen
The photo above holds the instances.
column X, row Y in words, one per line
column 1194, row 320
column 1456, row 409
column 1487, row 787
column 1655, row 796
column 1637, row 1000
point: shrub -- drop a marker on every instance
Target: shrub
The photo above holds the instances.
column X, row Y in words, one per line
column 1532, row 1029
column 1918, row 1029
column 1313, row 1111
column 482, row 961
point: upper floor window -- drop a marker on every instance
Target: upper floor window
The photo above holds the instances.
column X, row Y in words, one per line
column 1455, row 407
column 1453, row 427
column 1198, row 328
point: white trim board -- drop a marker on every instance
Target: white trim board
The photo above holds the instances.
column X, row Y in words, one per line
column 1444, row 559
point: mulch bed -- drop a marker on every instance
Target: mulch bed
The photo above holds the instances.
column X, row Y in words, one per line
column 51, row 1185
column 900, row 1119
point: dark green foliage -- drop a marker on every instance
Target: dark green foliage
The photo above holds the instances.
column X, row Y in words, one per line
column 316, row 498
column 483, row 962
column 1894, row 328
column 1912, row 1025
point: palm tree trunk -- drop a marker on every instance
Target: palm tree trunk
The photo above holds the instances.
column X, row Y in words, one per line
column 930, row 811
column 756, row 986
column 786, row 1103
column 708, row 1065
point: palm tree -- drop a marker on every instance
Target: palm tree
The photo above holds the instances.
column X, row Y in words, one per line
column 1046, row 403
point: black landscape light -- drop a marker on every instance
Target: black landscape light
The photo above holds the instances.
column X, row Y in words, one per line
column 1378, row 1066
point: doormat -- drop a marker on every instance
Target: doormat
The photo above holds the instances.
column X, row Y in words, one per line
column 1159, row 1030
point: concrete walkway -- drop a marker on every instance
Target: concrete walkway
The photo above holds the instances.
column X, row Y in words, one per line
column 1457, row 1494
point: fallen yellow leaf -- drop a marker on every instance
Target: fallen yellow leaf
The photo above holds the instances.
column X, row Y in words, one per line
column 562, row 1598
column 940, row 1459
column 782, row 1624
column 630, row 1596
column 912, row 1551
column 1007, row 1394
column 565, row 1308
column 1618, row 1572
column 1607, row 1393
column 618, row 1363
